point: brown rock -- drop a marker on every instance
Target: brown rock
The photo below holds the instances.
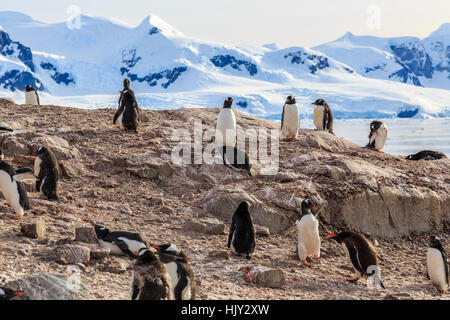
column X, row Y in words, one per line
column 206, row 225
column 72, row 254
column 34, row 230
column 86, row 234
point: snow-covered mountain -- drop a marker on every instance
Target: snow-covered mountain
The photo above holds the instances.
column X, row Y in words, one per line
column 421, row 62
column 85, row 67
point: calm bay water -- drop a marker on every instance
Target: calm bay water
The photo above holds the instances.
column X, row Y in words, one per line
column 406, row 136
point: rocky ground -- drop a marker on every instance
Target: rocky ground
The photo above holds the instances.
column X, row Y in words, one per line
column 127, row 181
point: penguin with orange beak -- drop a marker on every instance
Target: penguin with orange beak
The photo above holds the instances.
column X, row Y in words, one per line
column 377, row 136
column 362, row 254
column 437, row 265
column 8, row 294
column 308, row 233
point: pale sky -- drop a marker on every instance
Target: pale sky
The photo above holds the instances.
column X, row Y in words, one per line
column 256, row 22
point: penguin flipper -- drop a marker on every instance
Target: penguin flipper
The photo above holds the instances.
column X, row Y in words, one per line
column 354, row 258
column 124, row 247
column 428, row 276
column 230, row 236
column 282, row 117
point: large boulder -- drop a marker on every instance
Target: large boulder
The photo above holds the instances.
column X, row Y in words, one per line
column 47, row 286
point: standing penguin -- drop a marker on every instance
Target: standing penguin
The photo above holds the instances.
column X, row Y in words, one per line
column 362, row 254
column 120, row 242
column 46, row 172
column 290, row 119
column 13, row 191
column 150, row 280
column 242, row 231
column 128, row 113
column 226, row 125
column 323, row 116
column 378, row 135
column 8, row 294
column 308, row 233
column 31, row 96
column 437, row 265
column 181, row 275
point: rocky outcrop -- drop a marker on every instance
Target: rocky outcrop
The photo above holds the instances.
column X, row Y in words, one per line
column 47, row 286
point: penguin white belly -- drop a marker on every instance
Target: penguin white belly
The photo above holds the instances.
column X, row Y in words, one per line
column 10, row 192
column 436, row 268
column 381, row 137
column 113, row 247
column 308, row 235
column 318, row 117
column 133, row 246
column 291, row 120
column 120, row 119
column 172, row 268
column 30, row 98
column 37, row 166
column 40, row 188
column 226, row 128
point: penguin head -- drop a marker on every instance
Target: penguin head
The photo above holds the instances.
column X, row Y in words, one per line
column 320, row 102
column 8, row 294
column 126, row 84
column 228, row 103
column 29, row 88
column 374, row 126
column 41, row 151
column 435, row 242
column 307, row 205
column 290, row 100
column 243, row 208
column 146, row 255
column 168, row 248
column 340, row 237
column 100, row 231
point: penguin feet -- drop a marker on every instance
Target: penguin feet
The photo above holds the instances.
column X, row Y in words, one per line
column 295, row 138
column 316, row 257
column 443, row 292
column 17, row 217
column 379, row 150
column 306, row 263
column 353, row 280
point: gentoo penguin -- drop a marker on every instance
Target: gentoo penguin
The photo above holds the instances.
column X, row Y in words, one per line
column 128, row 113
column 427, row 155
column 46, row 172
column 120, row 242
column 290, row 119
column 181, row 275
column 226, row 125
column 236, row 158
column 323, row 116
column 361, row 252
column 31, row 96
column 150, row 280
column 308, row 233
column 13, row 191
column 242, row 231
column 437, row 265
column 378, row 135
column 8, row 294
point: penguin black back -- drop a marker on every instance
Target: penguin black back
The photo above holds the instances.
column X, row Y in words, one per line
column 228, row 103
column 129, row 106
column 49, row 172
column 23, row 195
column 242, row 231
column 362, row 253
column 427, row 155
column 236, row 158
